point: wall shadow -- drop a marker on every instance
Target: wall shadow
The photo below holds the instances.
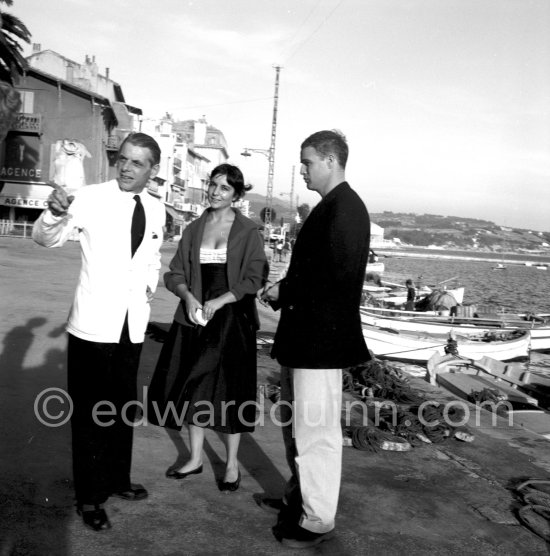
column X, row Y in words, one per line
column 36, row 498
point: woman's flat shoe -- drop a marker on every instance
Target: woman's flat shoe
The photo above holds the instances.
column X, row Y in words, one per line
column 174, row 474
column 230, row 486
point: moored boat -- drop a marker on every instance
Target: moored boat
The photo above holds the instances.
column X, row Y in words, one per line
column 468, row 379
column 414, row 321
column 418, row 346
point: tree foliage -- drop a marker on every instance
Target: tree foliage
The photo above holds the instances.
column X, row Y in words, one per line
column 12, row 32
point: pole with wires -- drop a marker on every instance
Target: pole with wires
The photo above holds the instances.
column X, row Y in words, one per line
column 269, row 193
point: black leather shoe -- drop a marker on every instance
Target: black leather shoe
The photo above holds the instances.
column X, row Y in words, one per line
column 272, row 505
column 228, row 486
column 174, row 474
column 94, row 517
column 298, row 537
column 134, row 493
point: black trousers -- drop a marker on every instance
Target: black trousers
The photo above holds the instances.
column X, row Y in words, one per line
column 104, row 376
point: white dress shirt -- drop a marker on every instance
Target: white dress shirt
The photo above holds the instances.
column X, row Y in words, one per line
column 111, row 282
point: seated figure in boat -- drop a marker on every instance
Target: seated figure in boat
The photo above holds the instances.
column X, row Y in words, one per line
column 411, row 294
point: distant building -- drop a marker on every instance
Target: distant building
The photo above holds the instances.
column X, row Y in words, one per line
column 191, row 149
column 376, row 235
column 205, row 139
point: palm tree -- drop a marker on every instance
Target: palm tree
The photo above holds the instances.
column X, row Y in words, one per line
column 12, row 31
column 12, row 63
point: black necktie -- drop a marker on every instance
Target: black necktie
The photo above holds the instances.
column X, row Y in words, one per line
column 138, row 224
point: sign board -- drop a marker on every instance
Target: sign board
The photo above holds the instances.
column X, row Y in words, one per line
column 22, row 160
column 25, row 195
column 263, row 214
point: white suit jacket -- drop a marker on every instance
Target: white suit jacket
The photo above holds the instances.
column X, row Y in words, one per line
column 111, row 282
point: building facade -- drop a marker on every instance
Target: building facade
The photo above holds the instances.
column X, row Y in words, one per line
column 68, row 110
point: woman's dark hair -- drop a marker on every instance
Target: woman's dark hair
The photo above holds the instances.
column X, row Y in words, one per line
column 234, row 178
column 145, row 142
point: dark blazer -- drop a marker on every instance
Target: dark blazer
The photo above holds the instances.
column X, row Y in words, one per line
column 320, row 324
column 247, row 267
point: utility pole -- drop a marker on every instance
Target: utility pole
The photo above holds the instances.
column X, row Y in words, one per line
column 269, row 194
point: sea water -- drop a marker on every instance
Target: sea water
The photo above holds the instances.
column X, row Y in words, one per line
column 516, row 288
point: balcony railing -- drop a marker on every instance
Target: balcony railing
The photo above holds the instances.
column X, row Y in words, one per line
column 31, row 123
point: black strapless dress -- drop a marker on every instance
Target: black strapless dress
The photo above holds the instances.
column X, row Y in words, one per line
column 206, row 376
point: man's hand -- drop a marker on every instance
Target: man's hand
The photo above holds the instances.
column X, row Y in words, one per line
column 149, row 293
column 58, row 200
column 269, row 294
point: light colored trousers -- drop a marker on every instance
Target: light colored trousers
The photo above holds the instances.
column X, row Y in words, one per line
column 313, row 442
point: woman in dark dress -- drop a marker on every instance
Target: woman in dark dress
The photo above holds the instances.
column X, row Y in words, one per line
column 206, row 373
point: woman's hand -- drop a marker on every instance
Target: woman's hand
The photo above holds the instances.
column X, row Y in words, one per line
column 212, row 305
column 191, row 305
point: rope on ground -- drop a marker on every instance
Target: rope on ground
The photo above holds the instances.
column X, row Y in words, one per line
column 373, row 439
column 380, row 380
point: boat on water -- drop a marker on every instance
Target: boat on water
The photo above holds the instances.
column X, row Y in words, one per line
column 375, row 268
column 395, row 295
column 421, row 322
column 420, row 346
column 466, row 378
column 499, row 266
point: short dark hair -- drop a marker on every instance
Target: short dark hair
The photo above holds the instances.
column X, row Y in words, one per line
column 329, row 142
column 234, row 178
column 409, row 281
column 145, row 142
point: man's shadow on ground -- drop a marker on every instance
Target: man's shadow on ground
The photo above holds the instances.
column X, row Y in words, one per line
column 36, row 497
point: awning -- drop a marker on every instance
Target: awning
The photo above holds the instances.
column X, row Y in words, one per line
column 177, row 216
column 25, row 195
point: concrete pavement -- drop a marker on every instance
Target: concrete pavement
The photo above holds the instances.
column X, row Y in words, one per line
column 452, row 498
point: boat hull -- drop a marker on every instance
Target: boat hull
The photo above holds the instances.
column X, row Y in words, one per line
column 402, row 346
column 429, row 324
column 461, row 377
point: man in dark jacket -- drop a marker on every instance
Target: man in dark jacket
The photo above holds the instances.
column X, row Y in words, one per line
column 319, row 334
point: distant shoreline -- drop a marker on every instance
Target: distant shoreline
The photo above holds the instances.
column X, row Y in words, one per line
column 524, row 259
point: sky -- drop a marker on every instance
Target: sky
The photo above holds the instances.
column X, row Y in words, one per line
column 444, row 103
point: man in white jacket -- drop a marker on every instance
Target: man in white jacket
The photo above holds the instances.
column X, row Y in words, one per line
column 120, row 229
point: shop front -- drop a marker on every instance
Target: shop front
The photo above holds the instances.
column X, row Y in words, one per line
column 20, row 205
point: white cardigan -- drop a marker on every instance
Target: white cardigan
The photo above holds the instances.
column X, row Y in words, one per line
column 111, row 282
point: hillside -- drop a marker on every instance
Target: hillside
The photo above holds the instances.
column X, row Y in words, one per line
column 432, row 229
column 458, row 232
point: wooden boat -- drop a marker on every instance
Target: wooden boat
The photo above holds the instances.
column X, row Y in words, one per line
column 417, row 346
column 395, row 295
column 375, row 267
column 462, row 377
column 414, row 321
column 530, row 377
